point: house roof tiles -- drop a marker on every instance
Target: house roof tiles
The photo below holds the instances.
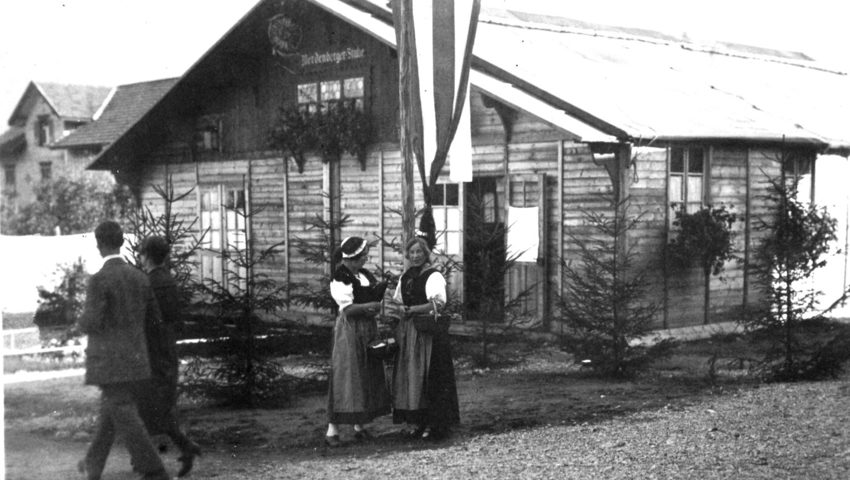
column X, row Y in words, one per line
column 67, row 100
column 126, row 106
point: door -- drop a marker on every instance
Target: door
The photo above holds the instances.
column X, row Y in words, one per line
column 484, row 250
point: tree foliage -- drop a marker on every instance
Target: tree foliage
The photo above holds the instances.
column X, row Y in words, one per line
column 318, row 252
column 795, row 247
column 183, row 235
column 71, row 202
column 245, row 374
column 485, row 266
column 62, row 306
column 605, row 306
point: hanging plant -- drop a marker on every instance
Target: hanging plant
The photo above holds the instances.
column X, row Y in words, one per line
column 294, row 133
column 704, row 237
column 332, row 130
column 356, row 133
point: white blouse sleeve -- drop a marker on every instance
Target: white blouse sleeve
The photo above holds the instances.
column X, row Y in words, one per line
column 435, row 288
column 342, row 294
column 397, row 295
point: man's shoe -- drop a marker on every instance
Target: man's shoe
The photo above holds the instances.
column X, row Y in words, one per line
column 160, row 475
column 187, row 460
column 363, row 435
column 332, row 441
column 83, row 468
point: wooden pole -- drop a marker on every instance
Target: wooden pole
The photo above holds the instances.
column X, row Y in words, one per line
column 404, row 39
column 286, row 251
column 542, row 255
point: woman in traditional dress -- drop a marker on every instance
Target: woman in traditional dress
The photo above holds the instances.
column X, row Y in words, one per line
column 424, row 388
column 357, row 390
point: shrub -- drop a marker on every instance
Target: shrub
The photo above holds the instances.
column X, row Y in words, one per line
column 62, row 306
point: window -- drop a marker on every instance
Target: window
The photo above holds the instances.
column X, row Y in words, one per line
column 330, row 92
column 223, row 220
column 46, row 169
column 43, row 130
column 798, row 167
column 447, row 219
column 69, row 126
column 687, row 179
column 208, row 131
column 9, row 175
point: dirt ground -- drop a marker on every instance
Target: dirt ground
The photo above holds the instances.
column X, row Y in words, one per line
column 48, row 423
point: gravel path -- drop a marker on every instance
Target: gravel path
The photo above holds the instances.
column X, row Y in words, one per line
column 796, row 431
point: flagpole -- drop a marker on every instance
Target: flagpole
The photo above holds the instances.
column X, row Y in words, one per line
column 408, row 158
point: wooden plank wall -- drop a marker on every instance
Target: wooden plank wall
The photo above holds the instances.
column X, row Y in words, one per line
column 729, row 187
column 764, row 165
column 647, row 240
column 277, row 187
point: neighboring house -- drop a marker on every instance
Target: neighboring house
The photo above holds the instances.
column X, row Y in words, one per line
column 46, row 113
column 563, row 114
column 125, row 107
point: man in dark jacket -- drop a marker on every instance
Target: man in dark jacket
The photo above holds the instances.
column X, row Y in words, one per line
column 157, row 398
column 118, row 302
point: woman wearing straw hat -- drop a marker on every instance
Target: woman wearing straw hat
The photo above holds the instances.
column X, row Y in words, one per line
column 357, row 390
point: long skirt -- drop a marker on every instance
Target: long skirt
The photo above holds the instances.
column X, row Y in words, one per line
column 424, row 387
column 357, row 390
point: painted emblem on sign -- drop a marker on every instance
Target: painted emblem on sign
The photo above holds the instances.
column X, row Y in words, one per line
column 284, row 35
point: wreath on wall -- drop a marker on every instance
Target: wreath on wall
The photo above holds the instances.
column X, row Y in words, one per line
column 331, row 130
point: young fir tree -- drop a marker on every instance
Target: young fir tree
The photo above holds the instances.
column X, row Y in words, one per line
column 182, row 234
column 246, row 374
column 605, row 305
column 798, row 240
column 485, row 266
column 318, row 251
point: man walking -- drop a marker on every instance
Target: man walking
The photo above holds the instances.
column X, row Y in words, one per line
column 118, row 300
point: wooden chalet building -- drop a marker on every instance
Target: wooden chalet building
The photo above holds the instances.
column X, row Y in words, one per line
column 557, row 106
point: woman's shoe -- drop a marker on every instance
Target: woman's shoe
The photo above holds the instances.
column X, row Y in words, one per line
column 434, row 434
column 187, row 460
column 332, row 441
column 420, row 429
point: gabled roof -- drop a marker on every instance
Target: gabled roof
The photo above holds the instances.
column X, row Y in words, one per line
column 628, row 84
column 127, row 104
column 78, row 102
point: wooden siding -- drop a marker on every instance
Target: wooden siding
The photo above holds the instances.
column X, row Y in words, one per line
column 288, row 200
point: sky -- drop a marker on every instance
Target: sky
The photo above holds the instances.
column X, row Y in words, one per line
column 113, row 42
